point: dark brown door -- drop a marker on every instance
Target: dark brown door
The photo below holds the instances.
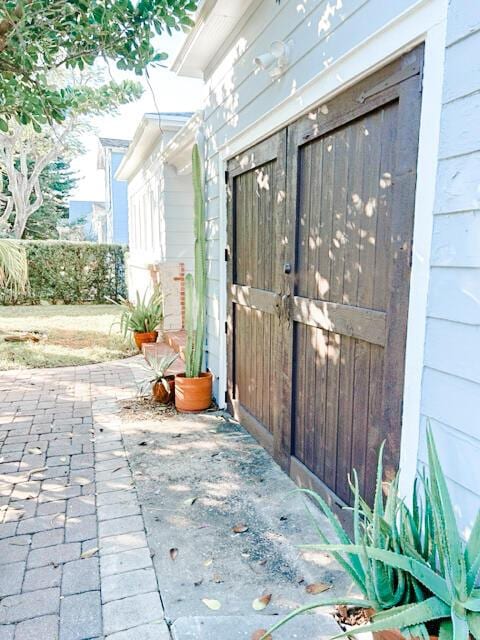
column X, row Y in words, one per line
column 337, row 268
column 256, row 218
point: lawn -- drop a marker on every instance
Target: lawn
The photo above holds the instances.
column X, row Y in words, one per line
column 73, row 334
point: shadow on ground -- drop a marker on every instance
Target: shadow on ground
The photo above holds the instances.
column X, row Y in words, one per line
column 198, row 478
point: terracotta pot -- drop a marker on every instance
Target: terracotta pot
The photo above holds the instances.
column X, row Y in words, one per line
column 160, row 394
column 193, row 394
column 143, row 338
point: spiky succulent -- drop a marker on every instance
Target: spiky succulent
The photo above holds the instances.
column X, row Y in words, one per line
column 410, row 565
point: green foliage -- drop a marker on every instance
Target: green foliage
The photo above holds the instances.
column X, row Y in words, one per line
column 411, row 565
column 40, row 36
column 72, row 272
column 196, row 291
column 157, row 369
column 57, row 182
column 13, row 267
column 144, row 315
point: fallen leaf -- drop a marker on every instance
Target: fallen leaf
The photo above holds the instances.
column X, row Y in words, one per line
column 260, row 603
column 63, row 459
column 198, row 582
column 260, row 635
column 143, row 443
column 35, row 451
column 240, row 528
column 317, row 587
column 263, row 562
column 89, row 553
column 217, row 578
column 214, row 605
column 173, row 553
column 190, row 501
column 208, row 562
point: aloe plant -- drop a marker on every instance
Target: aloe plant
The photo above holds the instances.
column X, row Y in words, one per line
column 143, row 315
column 196, row 290
column 156, row 370
column 410, row 565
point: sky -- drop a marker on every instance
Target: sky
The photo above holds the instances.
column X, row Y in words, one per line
column 170, row 93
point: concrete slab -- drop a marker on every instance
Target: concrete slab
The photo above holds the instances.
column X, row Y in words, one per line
column 199, row 476
column 307, row 627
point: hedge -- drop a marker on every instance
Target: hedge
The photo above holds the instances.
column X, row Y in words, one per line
column 72, row 272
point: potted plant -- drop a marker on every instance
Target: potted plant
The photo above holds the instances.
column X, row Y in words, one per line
column 162, row 384
column 417, row 576
column 193, row 389
column 142, row 318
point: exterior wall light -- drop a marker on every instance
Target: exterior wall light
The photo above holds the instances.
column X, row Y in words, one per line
column 274, row 61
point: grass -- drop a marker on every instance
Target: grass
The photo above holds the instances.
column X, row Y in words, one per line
column 74, row 334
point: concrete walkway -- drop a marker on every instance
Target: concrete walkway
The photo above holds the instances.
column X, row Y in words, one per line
column 85, row 554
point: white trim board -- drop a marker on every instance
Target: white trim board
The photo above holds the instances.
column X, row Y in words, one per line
column 425, row 21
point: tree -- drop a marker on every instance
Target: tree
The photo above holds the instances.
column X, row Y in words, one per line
column 57, row 181
column 26, row 151
column 41, row 36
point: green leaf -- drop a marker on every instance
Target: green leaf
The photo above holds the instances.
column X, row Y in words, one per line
column 3, row 126
column 472, row 554
column 419, row 570
column 446, row 524
column 474, row 624
column 446, row 630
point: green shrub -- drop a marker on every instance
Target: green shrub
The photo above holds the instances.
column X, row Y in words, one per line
column 71, row 272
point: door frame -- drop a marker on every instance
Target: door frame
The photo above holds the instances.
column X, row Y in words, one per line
column 424, row 22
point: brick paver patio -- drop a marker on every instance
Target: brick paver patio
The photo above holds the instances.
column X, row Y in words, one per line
column 74, row 557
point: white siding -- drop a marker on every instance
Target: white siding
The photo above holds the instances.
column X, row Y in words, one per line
column 451, row 384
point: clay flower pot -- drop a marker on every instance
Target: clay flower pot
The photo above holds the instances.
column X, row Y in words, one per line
column 193, row 394
column 160, row 394
column 143, row 338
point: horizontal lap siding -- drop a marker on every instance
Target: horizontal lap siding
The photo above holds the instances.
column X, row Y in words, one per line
column 321, row 32
column 451, row 382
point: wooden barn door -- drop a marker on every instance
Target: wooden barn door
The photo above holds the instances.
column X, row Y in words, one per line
column 256, row 182
column 320, row 274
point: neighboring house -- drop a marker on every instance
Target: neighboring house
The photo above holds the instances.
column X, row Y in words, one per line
column 342, row 156
column 82, row 210
column 112, row 222
column 157, row 168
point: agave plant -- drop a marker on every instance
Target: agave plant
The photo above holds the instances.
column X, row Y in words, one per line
column 411, row 566
column 157, row 369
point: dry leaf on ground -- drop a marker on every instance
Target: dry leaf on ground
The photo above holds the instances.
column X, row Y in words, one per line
column 35, row 451
column 240, row 528
column 260, row 633
column 317, row 587
column 260, row 603
column 89, row 553
column 173, row 553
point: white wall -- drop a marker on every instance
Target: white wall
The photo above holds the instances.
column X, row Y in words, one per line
column 451, row 381
column 160, row 203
